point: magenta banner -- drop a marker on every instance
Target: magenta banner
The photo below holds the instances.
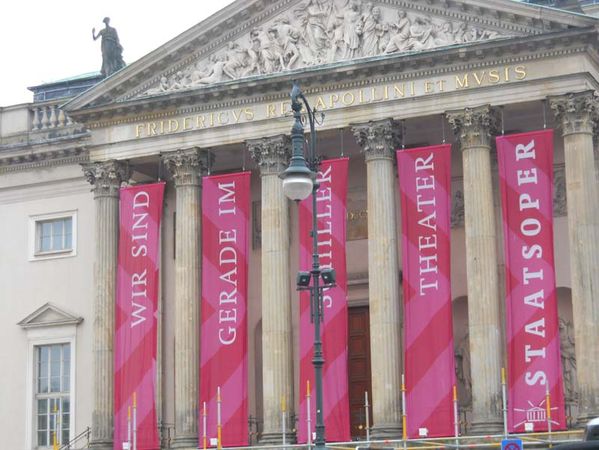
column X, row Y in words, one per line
column 331, row 207
column 223, row 354
column 534, row 364
column 425, row 187
column 135, row 341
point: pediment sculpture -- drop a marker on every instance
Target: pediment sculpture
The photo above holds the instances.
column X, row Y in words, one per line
column 320, row 32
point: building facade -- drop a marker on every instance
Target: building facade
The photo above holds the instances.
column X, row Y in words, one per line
column 387, row 75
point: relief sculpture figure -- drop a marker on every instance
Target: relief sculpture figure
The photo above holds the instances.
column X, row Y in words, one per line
column 399, row 40
column 352, row 30
column 372, row 32
column 316, row 33
column 237, row 61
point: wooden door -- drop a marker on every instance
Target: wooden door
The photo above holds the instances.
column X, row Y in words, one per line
column 359, row 369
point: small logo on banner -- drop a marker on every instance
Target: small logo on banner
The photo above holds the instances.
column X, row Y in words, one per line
column 532, row 415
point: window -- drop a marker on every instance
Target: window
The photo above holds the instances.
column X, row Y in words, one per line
column 52, row 398
column 51, row 377
column 53, row 235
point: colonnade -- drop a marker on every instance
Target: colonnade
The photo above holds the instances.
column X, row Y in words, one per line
column 475, row 128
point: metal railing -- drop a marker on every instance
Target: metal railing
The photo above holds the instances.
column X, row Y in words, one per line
column 85, row 434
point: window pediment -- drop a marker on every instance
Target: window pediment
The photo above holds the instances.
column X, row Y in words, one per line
column 49, row 315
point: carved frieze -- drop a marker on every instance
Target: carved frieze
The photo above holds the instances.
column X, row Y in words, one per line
column 560, row 202
column 568, row 354
column 320, row 32
column 457, row 208
column 106, row 177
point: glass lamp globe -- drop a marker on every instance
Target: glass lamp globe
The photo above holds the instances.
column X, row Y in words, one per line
column 297, row 187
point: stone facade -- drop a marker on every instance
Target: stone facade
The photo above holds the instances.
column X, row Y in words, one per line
column 399, row 74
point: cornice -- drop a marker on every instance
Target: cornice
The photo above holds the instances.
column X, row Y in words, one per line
column 43, row 159
column 354, row 74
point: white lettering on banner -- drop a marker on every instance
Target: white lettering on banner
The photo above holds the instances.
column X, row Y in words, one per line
column 139, row 248
column 227, row 256
column 426, row 203
column 324, row 232
column 531, row 227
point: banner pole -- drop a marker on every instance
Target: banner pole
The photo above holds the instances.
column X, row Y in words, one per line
column 55, row 439
column 283, row 424
column 204, row 417
column 367, row 416
column 404, row 431
column 548, row 406
column 218, row 418
column 308, row 419
column 135, row 421
column 504, row 402
column 456, row 419
column 129, row 427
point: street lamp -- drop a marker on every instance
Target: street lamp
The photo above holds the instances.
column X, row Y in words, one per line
column 299, row 181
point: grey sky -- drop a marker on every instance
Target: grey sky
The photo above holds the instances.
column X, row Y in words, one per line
column 42, row 41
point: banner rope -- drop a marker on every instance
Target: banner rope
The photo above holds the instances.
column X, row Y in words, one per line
column 443, row 126
column 243, row 159
column 341, row 139
column 544, row 103
column 502, row 123
column 403, row 134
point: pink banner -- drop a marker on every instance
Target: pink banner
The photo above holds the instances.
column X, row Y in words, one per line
column 425, row 187
column 534, row 364
column 331, row 200
column 135, row 341
column 223, row 354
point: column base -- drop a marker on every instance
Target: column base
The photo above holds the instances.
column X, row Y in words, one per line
column 486, row 426
column 185, row 442
column 277, row 438
column 389, row 431
column 104, row 444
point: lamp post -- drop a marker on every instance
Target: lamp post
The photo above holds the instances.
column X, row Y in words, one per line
column 299, row 181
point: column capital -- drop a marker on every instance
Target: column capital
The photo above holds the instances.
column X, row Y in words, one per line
column 378, row 139
column 474, row 127
column 575, row 112
column 106, row 177
column 270, row 153
column 188, row 165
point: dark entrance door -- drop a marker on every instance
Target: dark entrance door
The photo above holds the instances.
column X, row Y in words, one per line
column 359, row 369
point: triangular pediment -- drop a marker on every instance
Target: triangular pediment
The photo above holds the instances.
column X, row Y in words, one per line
column 253, row 39
column 49, row 315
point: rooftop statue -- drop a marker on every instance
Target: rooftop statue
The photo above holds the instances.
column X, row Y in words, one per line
column 112, row 51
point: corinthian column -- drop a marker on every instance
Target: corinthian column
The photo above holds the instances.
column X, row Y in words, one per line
column 576, row 114
column 272, row 155
column 186, row 167
column 106, row 178
column 378, row 141
column 474, row 128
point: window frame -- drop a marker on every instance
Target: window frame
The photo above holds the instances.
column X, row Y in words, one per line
column 34, row 226
column 49, row 396
column 38, row 337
